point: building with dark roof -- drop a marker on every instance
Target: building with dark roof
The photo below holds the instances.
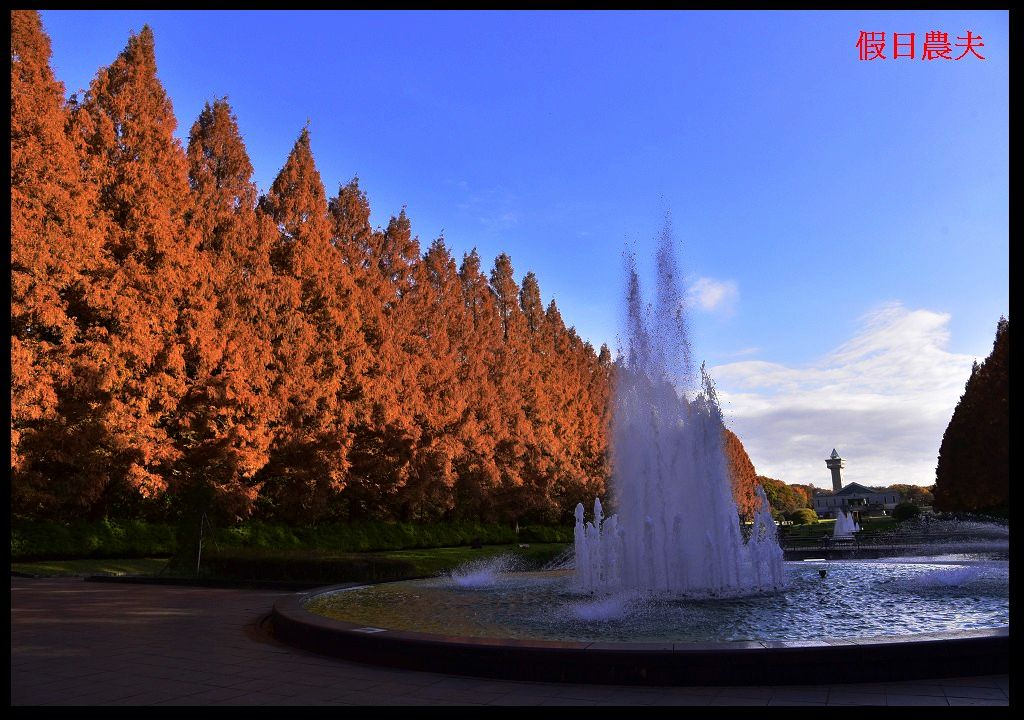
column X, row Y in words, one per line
column 854, row 498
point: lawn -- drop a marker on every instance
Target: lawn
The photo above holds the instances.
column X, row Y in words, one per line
column 90, row 566
column 432, row 561
column 305, row 565
column 827, row 526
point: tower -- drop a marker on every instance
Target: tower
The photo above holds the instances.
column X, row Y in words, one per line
column 835, row 464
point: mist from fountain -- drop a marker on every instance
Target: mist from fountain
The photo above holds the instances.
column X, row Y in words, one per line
column 676, row 532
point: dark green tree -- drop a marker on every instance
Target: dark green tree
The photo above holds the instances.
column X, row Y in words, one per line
column 973, row 472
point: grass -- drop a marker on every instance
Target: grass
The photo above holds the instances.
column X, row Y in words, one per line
column 412, row 563
column 90, row 566
column 438, row 560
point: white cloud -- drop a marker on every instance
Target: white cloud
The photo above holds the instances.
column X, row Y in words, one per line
column 882, row 399
column 713, row 295
column 744, row 352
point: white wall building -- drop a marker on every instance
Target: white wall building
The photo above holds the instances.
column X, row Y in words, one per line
column 854, row 498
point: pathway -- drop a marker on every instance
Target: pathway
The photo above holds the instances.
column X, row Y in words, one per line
column 80, row 643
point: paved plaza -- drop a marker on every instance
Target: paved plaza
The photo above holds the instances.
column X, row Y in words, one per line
column 80, row 643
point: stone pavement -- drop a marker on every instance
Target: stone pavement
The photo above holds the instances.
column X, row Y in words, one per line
column 79, row 643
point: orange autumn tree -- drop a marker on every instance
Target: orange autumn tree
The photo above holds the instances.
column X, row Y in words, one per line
column 741, row 473
column 439, row 401
column 55, row 250
column 226, row 422
column 316, row 341
column 515, row 447
column 541, row 393
column 477, row 467
column 384, row 431
column 132, row 366
column 582, row 416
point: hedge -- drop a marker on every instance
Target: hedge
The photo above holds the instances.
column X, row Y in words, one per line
column 545, row 534
column 103, row 539
column 136, row 538
column 363, row 536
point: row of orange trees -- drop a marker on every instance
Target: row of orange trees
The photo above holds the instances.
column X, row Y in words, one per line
column 179, row 339
column 174, row 332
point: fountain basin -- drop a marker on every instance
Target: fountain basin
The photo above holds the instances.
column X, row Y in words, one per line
column 598, row 655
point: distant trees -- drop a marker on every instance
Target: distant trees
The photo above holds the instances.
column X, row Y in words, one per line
column 180, row 344
column 914, row 493
column 973, row 471
column 809, row 491
column 784, row 499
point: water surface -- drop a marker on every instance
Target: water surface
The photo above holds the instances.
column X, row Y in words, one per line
column 856, row 598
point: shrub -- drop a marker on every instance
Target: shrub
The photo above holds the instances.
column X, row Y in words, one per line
column 545, row 534
column 103, row 539
column 804, row 516
column 906, row 511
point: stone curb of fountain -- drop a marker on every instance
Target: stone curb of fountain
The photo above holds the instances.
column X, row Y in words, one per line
column 868, row 659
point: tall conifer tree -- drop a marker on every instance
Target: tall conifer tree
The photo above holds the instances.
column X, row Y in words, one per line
column 137, row 167
column 55, row 247
column 973, row 471
column 317, row 344
column 516, row 437
column 440, row 398
column 226, row 422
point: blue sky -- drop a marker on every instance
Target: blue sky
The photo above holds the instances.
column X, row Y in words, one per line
column 840, row 221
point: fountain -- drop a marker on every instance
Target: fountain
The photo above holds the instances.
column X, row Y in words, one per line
column 677, row 531
column 668, row 588
column 845, row 526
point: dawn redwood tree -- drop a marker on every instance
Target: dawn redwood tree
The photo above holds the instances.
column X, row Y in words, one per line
column 477, row 471
column 440, row 399
column 140, row 300
column 596, row 445
column 384, row 430
column 226, row 421
column 515, row 442
column 585, row 423
column 540, row 374
column 55, row 247
column 317, row 344
column 973, row 472
column 741, row 473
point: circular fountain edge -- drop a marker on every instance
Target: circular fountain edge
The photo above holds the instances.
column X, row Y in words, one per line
column 869, row 659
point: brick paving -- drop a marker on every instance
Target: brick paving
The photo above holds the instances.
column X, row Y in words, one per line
column 79, row 643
